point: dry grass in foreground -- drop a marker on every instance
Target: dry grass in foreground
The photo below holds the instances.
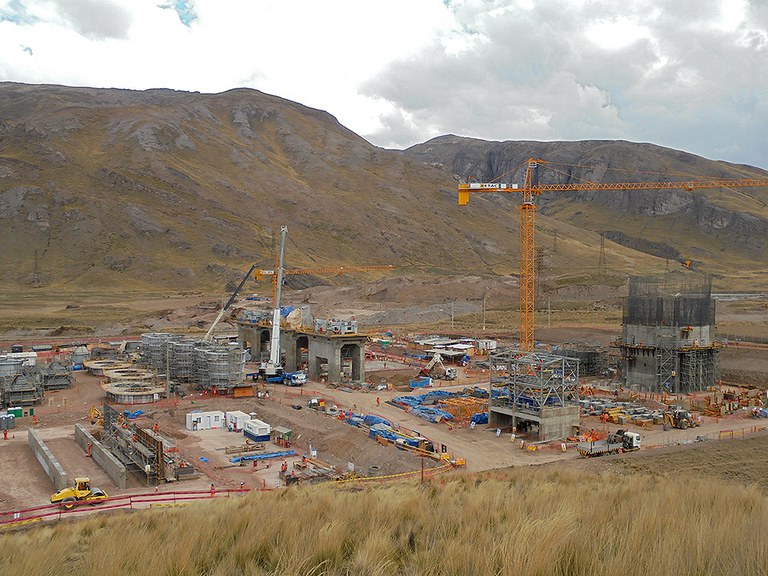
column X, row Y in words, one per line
column 513, row 522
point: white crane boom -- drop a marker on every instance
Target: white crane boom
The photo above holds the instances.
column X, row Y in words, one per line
column 273, row 367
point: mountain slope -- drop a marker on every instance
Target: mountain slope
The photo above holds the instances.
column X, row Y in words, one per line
column 172, row 190
column 723, row 230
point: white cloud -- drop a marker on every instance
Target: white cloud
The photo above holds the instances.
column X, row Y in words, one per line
column 680, row 73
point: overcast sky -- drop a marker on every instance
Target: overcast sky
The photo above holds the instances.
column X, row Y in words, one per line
column 688, row 74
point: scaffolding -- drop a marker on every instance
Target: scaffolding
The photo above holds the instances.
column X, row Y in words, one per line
column 182, row 360
column 699, row 369
column 140, row 450
column 536, row 380
column 673, row 299
column 55, row 376
column 667, row 342
column 154, row 349
column 23, row 389
column 593, row 361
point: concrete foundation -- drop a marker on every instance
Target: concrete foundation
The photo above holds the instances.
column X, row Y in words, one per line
column 115, row 469
column 553, row 423
column 47, row 460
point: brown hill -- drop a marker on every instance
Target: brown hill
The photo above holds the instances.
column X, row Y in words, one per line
column 724, row 231
column 174, row 190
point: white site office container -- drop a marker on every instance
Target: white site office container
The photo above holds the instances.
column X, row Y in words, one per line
column 205, row 420
column 256, row 430
column 236, row 420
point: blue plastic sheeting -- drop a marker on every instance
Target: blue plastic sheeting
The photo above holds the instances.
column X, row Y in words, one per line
column 285, row 310
column 438, row 394
column 356, row 421
column 132, row 415
column 480, row 418
column 431, row 414
column 372, row 419
column 409, row 400
column 386, row 432
column 237, row 459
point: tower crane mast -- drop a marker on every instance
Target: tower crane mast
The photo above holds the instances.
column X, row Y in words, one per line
column 532, row 188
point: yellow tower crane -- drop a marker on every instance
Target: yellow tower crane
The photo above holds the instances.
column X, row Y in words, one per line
column 532, row 188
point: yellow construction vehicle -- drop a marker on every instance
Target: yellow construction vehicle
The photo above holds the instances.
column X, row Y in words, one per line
column 679, row 418
column 80, row 492
column 95, row 416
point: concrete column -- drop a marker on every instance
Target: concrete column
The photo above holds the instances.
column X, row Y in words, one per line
column 334, row 363
column 289, row 346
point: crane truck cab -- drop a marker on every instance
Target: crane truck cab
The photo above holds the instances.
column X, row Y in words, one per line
column 80, row 492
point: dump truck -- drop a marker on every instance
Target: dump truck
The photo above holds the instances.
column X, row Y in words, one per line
column 679, row 418
column 616, row 443
column 80, row 492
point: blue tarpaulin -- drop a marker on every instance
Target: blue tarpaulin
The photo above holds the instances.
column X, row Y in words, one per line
column 132, row 415
column 237, row 459
column 431, row 414
column 480, row 418
column 372, row 419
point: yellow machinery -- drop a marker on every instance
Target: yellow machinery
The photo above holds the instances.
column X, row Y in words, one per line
column 95, row 416
column 679, row 418
column 532, row 188
column 80, row 492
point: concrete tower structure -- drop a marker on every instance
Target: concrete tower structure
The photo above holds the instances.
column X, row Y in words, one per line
column 668, row 335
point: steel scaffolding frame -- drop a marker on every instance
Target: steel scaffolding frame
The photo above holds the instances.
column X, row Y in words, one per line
column 140, row 450
column 536, row 380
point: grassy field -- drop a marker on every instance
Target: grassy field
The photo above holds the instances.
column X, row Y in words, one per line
column 85, row 312
column 511, row 522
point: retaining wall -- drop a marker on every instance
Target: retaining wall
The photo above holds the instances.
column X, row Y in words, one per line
column 47, row 460
column 102, row 456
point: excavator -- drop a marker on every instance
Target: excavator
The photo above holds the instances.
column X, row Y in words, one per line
column 679, row 418
column 436, row 369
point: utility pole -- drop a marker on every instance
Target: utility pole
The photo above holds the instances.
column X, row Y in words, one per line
column 451, row 315
column 484, row 295
column 601, row 264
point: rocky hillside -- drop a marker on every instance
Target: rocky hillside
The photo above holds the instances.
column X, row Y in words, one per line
column 721, row 231
column 173, row 190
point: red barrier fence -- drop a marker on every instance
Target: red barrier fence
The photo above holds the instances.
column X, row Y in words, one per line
column 132, row 501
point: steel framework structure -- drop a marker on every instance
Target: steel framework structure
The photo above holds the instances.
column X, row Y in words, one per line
column 535, row 380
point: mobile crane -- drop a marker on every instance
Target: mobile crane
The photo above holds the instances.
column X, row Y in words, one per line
column 273, row 367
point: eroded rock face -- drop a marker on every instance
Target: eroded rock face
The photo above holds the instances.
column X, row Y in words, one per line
column 160, row 183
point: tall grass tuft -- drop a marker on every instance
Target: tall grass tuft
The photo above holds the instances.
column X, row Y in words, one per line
column 505, row 523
